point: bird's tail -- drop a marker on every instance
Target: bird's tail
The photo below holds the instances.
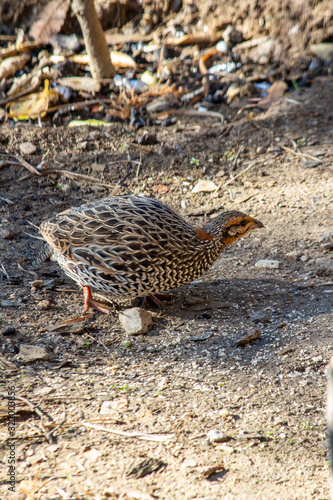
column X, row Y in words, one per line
column 43, row 255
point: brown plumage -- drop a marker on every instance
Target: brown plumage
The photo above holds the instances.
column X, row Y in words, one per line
column 132, row 246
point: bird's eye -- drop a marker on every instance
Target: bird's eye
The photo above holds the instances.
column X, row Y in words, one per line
column 243, row 223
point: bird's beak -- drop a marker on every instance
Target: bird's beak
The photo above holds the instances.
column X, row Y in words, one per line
column 257, row 224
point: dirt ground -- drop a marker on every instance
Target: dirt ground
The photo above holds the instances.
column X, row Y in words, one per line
column 212, row 420
column 267, row 399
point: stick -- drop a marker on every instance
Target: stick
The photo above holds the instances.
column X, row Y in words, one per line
column 240, row 173
column 298, row 153
column 73, row 175
column 27, row 165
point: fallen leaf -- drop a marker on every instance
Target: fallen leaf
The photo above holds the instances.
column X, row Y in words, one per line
column 10, row 65
column 49, row 20
column 31, row 106
column 161, row 189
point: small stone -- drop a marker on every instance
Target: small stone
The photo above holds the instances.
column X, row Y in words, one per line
column 30, row 353
column 37, row 283
column 248, row 339
column 310, row 163
column 216, row 436
column 9, row 303
column 52, row 283
column 326, row 241
column 204, row 186
column 267, row 264
column 82, row 145
column 110, row 406
column 44, row 304
column 27, row 148
column 44, row 391
column 201, row 338
column 295, row 255
column 99, row 168
column 188, row 462
column 147, row 139
column 222, row 46
column 210, row 471
column 259, row 317
column 260, row 150
column 323, row 50
column 135, row 321
column 6, row 234
column 324, row 267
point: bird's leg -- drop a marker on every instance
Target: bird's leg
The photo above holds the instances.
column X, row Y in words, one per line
column 94, row 304
column 157, row 299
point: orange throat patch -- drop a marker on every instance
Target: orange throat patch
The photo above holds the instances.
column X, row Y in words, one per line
column 203, row 235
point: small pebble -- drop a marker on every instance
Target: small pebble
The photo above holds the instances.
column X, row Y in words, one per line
column 27, row 148
column 9, row 303
column 216, row 436
column 267, row 264
column 326, row 241
column 188, row 462
column 6, row 234
column 44, row 304
column 37, row 283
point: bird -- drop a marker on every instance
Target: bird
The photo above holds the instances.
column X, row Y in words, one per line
column 133, row 246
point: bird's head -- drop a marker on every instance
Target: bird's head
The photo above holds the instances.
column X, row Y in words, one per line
column 229, row 227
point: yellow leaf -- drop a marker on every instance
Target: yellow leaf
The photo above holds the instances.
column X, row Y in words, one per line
column 31, row 106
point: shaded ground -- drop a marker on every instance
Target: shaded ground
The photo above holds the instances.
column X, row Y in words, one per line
column 267, row 398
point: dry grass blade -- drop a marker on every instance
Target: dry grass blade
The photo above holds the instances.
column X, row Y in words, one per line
column 139, row 435
column 49, row 20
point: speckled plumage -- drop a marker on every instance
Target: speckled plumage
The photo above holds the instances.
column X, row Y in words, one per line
column 132, row 246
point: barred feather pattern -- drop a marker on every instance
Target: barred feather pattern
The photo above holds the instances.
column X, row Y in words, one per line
column 132, row 246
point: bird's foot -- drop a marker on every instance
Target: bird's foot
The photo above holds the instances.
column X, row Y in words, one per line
column 89, row 302
column 157, row 299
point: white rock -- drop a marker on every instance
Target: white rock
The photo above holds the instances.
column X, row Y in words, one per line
column 204, row 187
column 27, row 148
column 188, row 462
column 267, row 264
column 135, row 321
column 216, row 436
